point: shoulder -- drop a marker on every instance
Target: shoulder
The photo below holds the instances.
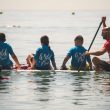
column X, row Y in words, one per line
column 84, row 48
column 39, row 49
column 9, row 48
column 7, row 45
column 76, row 48
column 52, row 51
column 107, row 43
column 73, row 48
column 49, row 49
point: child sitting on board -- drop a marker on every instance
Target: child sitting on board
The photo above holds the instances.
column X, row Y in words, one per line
column 41, row 59
column 5, row 51
column 78, row 56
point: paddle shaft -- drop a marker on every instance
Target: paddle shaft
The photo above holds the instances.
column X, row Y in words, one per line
column 95, row 36
column 91, row 43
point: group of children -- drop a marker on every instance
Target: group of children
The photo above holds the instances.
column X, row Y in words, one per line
column 44, row 56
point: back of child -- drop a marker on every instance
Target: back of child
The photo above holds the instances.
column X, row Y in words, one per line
column 44, row 56
column 77, row 53
column 5, row 51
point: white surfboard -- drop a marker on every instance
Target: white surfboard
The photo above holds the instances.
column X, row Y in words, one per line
column 42, row 71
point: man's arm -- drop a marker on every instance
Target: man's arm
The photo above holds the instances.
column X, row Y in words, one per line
column 97, row 53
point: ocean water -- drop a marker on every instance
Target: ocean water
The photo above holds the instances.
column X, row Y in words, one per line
column 24, row 29
column 47, row 91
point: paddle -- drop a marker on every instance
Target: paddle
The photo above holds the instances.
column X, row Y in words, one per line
column 91, row 44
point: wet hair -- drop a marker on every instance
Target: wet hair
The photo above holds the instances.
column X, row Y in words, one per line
column 2, row 37
column 78, row 38
column 44, row 40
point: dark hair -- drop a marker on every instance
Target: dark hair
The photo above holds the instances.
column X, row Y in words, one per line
column 78, row 38
column 106, row 32
column 44, row 40
column 2, row 37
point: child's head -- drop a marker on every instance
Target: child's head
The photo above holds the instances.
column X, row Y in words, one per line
column 44, row 40
column 79, row 40
column 2, row 37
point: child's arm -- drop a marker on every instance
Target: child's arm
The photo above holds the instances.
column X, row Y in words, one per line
column 65, row 61
column 33, row 63
column 54, row 65
column 16, row 61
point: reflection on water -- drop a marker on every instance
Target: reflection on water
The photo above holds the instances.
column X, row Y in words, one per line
column 55, row 91
column 43, row 86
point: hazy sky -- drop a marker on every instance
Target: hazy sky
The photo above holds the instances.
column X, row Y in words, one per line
column 55, row 4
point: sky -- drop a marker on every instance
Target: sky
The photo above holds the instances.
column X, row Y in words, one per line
column 55, row 4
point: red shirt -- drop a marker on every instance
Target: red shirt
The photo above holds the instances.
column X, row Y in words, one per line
column 107, row 47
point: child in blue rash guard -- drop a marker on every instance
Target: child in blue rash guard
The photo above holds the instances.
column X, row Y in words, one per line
column 41, row 59
column 78, row 56
column 5, row 51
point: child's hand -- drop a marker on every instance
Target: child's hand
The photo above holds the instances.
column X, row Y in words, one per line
column 63, row 68
column 17, row 66
column 30, row 68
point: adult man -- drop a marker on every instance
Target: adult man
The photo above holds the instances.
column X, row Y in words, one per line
column 98, row 63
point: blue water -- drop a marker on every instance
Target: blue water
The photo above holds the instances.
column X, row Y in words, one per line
column 49, row 91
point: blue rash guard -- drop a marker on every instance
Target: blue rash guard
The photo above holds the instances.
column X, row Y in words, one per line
column 5, row 51
column 77, row 54
column 43, row 57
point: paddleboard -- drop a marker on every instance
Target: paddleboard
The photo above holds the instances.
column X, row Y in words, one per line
column 63, row 71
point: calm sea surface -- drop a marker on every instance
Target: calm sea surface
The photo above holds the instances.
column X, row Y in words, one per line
column 53, row 91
